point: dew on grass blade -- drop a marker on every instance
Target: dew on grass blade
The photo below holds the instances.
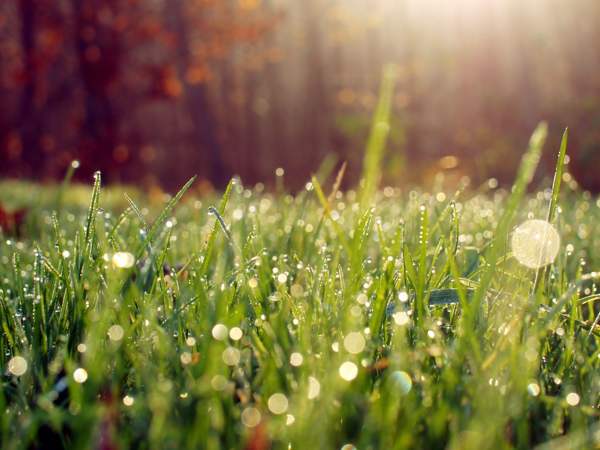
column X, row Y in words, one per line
column 533, row 389
column 123, row 260
column 251, row 417
column 278, row 403
column 115, row 333
column 282, row 278
column 402, row 381
column 535, row 243
column 236, row 333
column 401, row 318
column 348, row 370
column 231, row 356
column 218, row 382
column 220, row 332
column 17, row 366
column 573, row 399
column 185, row 358
column 354, row 342
column 314, row 388
column 80, row 375
column 296, row 359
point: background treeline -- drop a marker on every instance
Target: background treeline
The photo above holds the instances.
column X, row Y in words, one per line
column 150, row 91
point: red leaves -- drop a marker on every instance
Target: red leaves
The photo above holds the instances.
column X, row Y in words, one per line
column 259, row 439
column 11, row 222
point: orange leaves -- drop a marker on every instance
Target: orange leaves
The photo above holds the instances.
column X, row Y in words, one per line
column 164, row 82
column 197, row 74
column 249, row 5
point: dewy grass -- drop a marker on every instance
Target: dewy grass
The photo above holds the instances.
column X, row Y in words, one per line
column 356, row 320
column 293, row 339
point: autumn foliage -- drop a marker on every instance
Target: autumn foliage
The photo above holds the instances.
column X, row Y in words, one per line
column 153, row 91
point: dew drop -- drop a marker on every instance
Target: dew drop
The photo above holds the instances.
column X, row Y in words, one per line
column 123, row 260
column 17, row 365
column 80, row 375
column 278, row 403
column 535, row 243
column 348, row 371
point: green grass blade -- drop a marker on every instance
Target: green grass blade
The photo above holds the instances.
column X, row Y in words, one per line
column 558, row 174
column 162, row 217
column 525, row 174
column 213, row 234
column 380, row 128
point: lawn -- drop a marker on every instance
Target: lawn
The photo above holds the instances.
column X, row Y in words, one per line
column 367, row 319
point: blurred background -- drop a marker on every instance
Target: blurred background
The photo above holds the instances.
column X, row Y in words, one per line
column 153, row 91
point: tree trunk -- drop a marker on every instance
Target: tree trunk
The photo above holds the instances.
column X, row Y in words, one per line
column 99, row 61
column 28, row 117
column 197, row 104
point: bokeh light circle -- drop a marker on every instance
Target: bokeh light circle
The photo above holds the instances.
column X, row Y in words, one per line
column 535, row 243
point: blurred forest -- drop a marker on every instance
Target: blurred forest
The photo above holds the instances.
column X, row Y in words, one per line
column 152, row 91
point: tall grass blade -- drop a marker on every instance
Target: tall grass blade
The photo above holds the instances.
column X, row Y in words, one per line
column 213, row 234
column 162, row 217
column 525, row 174
column 380, row 128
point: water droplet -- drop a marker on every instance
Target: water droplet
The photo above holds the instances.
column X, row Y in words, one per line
column 296, row 359
column 123, row 260
column 236, row 333
column 533, row 389
column 219, row 332
column 218, row 382
column 17, row 365
column 277, row 403
column 231, row 356
column 354, row 342
column 115, row 333
column 314, row 388
column 573, row 399
column 80, row 375
column 535, row 243
column 282, row 278
column 348, row 371
column 251, row 417
column 402, row 381
column 185, row 358
column 401, row 318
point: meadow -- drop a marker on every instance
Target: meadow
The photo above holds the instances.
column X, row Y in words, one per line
column 365, row 319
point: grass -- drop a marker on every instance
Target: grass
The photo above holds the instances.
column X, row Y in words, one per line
column 370, row 319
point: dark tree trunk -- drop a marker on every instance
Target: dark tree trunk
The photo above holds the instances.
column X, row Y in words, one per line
column 98, row 52
column 316, row 129
column 28, row 117
column 197, row 104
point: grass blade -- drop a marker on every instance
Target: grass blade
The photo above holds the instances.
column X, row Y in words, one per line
column 380, row 128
